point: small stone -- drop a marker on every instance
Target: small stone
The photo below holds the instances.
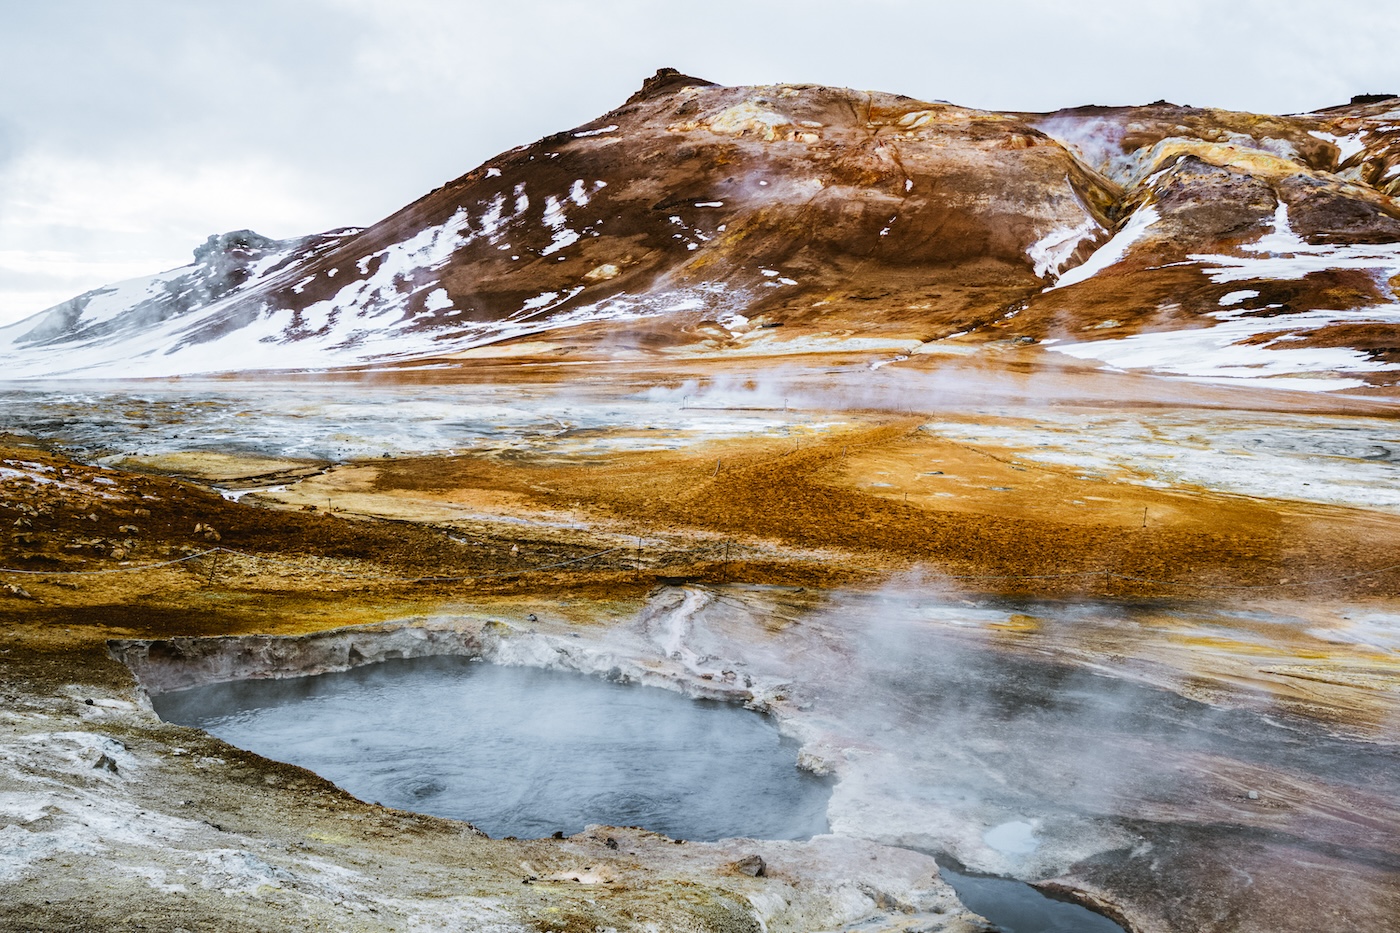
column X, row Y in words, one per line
column 1253, row 795
column 751, row 865
column 611, row 843
column 106, row 762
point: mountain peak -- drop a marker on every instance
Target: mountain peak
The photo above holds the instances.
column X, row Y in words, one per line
column 666, row 79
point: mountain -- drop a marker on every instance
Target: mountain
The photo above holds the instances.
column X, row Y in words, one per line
column 725, row 220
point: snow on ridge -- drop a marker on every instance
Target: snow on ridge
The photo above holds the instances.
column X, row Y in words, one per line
column 75, row 320
column 1114, row 250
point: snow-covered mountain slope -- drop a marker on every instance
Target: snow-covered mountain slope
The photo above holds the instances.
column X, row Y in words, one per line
column 1206, row 243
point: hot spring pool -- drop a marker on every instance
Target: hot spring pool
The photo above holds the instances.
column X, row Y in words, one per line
column 520, row 751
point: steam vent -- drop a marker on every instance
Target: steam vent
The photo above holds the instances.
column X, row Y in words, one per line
column 779, row 508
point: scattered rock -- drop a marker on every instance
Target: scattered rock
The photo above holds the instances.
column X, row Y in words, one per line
column 105, row 762
column 752, row 865
column 15, row 590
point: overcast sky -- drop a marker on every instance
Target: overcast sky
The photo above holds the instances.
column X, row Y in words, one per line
column 130, row 130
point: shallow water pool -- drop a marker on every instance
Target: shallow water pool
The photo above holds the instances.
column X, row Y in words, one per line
column 521, row 751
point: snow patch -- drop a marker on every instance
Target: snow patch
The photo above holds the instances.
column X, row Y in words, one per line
column 1234, row 298
column 563, row 236
column 1285, row 255
column 437, row 300
column 1052, row 251
column 1229, row 350
column 1349, row 145
column 1114, row 250
column 577, row 194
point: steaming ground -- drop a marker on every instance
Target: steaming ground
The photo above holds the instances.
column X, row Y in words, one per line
column 1056, row 624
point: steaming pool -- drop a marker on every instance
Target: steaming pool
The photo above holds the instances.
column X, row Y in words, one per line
column 521, row 751
column 527, row 752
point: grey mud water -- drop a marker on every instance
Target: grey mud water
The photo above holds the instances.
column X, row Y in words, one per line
column 521, row 751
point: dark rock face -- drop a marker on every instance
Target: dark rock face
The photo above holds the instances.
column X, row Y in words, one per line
column 228, row 259
column 666, row 79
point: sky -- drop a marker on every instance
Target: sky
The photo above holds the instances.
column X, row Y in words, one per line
column 131, row 130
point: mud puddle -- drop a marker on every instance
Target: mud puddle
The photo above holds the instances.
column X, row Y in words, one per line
column 1016, row 907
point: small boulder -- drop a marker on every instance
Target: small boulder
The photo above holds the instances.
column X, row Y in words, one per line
column 751, row 865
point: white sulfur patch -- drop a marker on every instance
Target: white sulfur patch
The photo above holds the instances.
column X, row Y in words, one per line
column 493, row 172
column 601, row 131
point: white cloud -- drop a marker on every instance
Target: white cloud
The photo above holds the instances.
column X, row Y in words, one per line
column 72, row 223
